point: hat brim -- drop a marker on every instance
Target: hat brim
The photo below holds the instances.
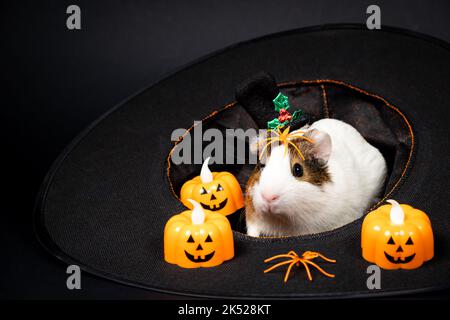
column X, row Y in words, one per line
column 106, row 200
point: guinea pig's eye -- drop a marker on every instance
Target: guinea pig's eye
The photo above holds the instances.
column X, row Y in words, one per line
column 262, row 165
column 297, row 170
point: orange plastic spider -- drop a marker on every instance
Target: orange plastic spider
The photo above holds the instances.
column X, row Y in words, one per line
column 295, row 259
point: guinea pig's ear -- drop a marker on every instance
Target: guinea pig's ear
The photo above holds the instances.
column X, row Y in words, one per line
column 321, row 147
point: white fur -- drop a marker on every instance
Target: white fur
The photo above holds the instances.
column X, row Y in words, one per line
column 357, row 172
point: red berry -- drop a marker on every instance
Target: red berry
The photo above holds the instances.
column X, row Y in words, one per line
column 284, row 116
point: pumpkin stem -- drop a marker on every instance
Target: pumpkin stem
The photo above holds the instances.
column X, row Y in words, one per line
column 205, row 174
column 397, row 214
column 197, row 215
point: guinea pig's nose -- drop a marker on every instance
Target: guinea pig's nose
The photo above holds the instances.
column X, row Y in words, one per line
column 269, row 197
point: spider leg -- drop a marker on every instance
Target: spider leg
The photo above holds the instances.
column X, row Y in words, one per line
column 277, row 265
column 272, row 140
column 307, row 269
column 326, row 259
column 320, row 269
column 296, row 148
column 289, row 270
column 272, row 131
column 278, row 256
column 301, row 136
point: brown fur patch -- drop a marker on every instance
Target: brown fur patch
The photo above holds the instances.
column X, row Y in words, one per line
column 314, row 170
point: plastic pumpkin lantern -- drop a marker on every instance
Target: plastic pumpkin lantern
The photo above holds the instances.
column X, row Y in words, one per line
column 397, row 236
column 198, row 238
column 215, row 191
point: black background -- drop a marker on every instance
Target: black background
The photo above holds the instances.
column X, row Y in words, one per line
column 57, row 81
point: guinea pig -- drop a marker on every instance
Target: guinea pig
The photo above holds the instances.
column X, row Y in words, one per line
column 340, row 176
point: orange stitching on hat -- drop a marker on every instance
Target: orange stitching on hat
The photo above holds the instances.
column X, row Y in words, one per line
column 326, row 112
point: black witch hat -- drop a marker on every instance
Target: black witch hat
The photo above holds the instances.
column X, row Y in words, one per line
column 106, row 200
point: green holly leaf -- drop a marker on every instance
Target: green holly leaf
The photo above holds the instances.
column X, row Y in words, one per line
column 273, row 124
column 281, row 102
column 297, row 114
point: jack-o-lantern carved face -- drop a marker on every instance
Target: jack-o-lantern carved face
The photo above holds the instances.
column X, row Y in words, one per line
column 397, row 252
column 213, row 196
column 196, row 252
column 215, row 191
column 198, row 238
column 394, row 240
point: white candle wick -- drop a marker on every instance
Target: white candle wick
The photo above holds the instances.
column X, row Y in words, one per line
column 397, row 214
column 205, row 174
column 198, row 215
